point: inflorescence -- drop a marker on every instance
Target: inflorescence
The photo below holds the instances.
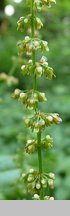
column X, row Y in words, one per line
column 37, row 181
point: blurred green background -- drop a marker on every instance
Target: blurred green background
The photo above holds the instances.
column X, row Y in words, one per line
column 13, row 133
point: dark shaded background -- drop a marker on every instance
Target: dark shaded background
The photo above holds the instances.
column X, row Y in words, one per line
column 13, row 133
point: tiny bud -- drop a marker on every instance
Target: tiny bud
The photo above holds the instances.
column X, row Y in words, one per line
column 23, row 175
column 36, row 44
column 46, row 198
column 25, row 20
column 50, row 118
column 56, row 118
column 52, row 176
column 36, row 196
column 29, row 142
column 16, row 93
column 39, row 23
column 38, row 186
column 30, row 178
column 23, row 67
column 48, row 137
column 23, row 96
column 42, row 122
column 31, row 170
column 27, row 121
column 43, row 60
column 39, row 70
column 44, row 45
column 30, row 149
column 27, row 39
column 51, row 183
column 30, row 61
column 42, row 97
column 51, row 198
column 43, row 181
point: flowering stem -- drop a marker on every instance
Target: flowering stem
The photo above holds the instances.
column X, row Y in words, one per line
column 35, row 86
column 40, row 161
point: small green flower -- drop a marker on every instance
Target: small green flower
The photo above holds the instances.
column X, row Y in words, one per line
column 30, row 178
column 51, row 183
column 52, row 176
column 48, row 198
column 36, row 197
column 39, row 24
column 16, row 93
column 38, row 186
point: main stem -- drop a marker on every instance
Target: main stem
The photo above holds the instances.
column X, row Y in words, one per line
column 33, row 56
column 35, row 87
column 40, row 162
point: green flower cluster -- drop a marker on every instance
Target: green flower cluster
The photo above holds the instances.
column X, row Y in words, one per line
column 11, row 80
column 29, row 45
column 26, row 21
column 29, row 98
column 40, row 120
column 32, row 145
column 41, row 3
column 40, row 68
column 37, row 182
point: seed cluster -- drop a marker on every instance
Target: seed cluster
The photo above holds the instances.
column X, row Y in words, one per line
column 26, row 21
